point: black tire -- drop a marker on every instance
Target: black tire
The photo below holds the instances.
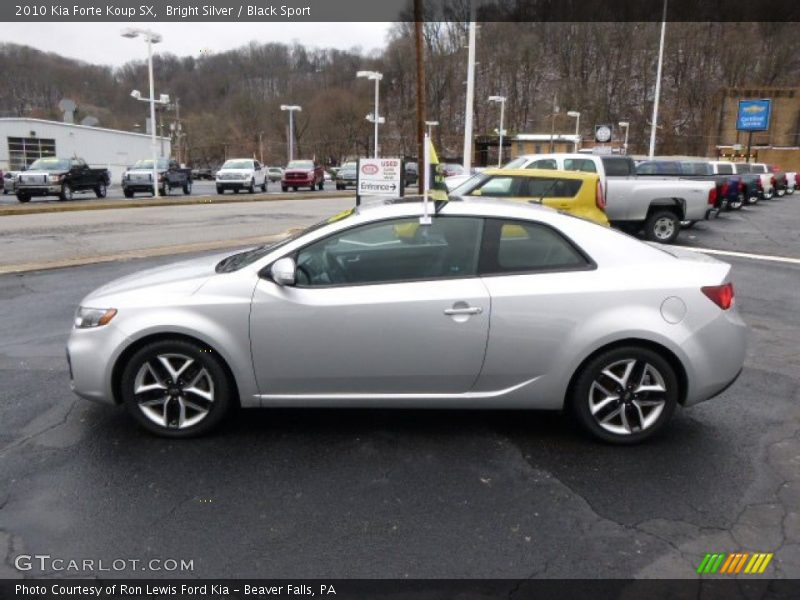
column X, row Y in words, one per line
column 220, row 190
column 339, row 187
column 128, row 193
column 789, row 191
column 284, row 188
column 187, row 188
column 321, row 185
column 752, row 198
column 101, row 191
column 662, row 226
column 648, row 364
column 23, row 198
column 204, row 359
column 236, row 190
column 252, row 188
column 62, row 195
column 294, row 188
column 264, row 186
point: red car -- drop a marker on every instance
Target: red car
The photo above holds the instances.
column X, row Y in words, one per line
column 303, row 173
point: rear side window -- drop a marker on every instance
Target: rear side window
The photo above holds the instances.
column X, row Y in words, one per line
column 725, row 169
column 580, row 164
column 543, row 163
column 511, row 246
column 617, row 167
column 540, row 187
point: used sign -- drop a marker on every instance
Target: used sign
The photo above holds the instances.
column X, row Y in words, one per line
column 379, row 177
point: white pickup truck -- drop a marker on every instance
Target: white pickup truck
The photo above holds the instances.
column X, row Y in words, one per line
column 650, row 204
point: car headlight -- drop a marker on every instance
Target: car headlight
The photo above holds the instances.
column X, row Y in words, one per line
column 55, row 178
column 86, row 317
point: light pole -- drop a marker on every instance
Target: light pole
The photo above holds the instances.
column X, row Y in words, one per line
column 151, row 38
column 376, row 118
column 291, row 108
column 431, row 125
column 626, row 125
column 577, row 116
column 502, row 101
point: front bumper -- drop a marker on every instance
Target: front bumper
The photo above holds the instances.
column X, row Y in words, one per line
column 230, row 184
column 39, row 190
column 91, row 354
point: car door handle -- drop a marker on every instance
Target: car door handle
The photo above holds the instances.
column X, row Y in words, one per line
column 469, row 310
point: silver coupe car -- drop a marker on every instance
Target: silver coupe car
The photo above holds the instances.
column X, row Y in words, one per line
column 491, row 305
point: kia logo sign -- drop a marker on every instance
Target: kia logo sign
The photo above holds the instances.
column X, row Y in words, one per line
column 369, row 169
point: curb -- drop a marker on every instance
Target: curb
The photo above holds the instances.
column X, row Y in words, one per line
column 143, row 253
column 28, row 209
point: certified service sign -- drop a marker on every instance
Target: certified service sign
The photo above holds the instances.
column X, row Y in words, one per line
column 753, row 115
column 380, row 177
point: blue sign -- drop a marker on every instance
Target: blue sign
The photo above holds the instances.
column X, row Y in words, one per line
column 753, row 115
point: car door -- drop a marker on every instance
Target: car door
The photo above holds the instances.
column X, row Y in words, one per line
column 391, row 307
column 258, row 173
column 537, row 279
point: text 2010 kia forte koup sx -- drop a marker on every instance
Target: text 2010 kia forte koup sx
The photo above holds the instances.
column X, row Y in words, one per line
column 492, row 305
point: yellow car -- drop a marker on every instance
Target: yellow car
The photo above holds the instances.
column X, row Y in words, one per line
column 573, row 192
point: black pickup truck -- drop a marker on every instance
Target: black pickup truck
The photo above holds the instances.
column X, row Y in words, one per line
column 139, row 178
column 62, row 177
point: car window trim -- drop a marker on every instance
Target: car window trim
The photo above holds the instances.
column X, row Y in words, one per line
column 590, row 265
column 265, row 274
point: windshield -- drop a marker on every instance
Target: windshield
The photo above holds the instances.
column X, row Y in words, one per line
column 50, row 164
column 238, row 164
column 301, row 164
column 470, row 184
column 236, row 261
column 148, row 164
column 517, row 163
column 348, row 165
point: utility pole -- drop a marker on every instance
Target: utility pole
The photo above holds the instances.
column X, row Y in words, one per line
column 178, row 131
column 260, row 147
column 418, row 34
column 657, row 95
column 470, row 91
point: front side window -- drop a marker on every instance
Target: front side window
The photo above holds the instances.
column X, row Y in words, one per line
column 392, row 251
column 520, row 246
column 541, row 187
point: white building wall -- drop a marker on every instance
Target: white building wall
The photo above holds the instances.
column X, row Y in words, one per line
column 110, row 148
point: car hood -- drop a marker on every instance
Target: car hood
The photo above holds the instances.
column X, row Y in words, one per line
column 346, row 173
column 143, row 171
column 40, row 172
column 302, row 171
column 181, row 278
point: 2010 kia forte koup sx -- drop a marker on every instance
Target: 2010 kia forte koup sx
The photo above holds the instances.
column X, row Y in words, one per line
column 491, row 305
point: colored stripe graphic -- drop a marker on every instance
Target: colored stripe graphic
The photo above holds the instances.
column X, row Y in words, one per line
column 732, row 564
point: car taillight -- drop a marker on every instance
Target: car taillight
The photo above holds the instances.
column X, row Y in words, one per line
column 759, row 184
column 725, row 188
column 712, row 196
column 600, row 198
column 774, row 181
column 721, row 295
column 742, row 186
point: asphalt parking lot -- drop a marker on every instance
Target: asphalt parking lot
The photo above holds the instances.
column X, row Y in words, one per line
column 420, row 494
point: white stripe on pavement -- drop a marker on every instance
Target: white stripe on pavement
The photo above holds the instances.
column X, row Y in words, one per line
column 766, row 257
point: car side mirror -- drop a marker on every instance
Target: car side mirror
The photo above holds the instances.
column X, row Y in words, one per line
column 283, row 271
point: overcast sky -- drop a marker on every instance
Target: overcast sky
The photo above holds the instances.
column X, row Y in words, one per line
column 100, row 43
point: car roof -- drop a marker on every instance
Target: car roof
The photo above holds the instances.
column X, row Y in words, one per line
column 582, row 175
column 559, row 155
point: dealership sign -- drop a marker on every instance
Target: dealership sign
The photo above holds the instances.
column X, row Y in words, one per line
column 753, row 115
column 379, row 177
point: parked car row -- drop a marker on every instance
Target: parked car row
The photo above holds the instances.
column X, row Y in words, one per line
column 655, row 197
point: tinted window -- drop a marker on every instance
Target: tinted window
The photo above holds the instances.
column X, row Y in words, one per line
column 539, row 187
column 725, row 169
column 616, row 167
column 519, row 246
column 580, row 164
column 543, row 163
column 393, row 251
column 743, row 168
column 696, row 168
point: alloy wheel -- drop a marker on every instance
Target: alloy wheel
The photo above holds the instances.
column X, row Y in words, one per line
column 174, row 391
column 664, row 228
column 627, row 397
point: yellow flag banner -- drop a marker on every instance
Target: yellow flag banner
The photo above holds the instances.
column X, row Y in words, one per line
column 438, row 189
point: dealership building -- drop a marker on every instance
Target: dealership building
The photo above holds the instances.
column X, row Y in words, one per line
column 23, row 140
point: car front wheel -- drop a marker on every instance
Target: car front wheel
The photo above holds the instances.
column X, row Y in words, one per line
column 176, row 388
column 625, row 395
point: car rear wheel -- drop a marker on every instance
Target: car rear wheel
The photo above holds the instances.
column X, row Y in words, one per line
column 662, row 226
column 175, row 388
column 284, row 188
column 23, row 198
column 100, row 191
column 625, row 395
column 220, row 190
column 264, row 186
column 738, row 203
column 128, row 193
column 252, row 188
